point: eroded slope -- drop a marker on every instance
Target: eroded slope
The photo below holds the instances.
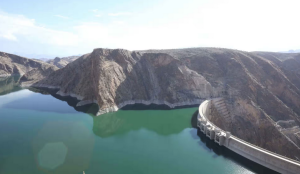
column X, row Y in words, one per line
column 262, row 96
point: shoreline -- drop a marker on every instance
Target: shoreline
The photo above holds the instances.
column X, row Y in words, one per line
column 114, row 107
column 148, row 102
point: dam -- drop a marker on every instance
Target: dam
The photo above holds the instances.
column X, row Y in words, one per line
column 254, row 153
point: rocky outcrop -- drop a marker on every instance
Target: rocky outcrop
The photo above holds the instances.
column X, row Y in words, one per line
column 15, row 65
column 260, row 94
column 286, row 61
column 114, row 78
column 70, row 58
column 36, row 75
column 62, row 62
column 58, row 62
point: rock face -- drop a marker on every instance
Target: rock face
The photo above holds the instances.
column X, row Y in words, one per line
column 42, row 59
column 114, row 78
column 260, row 91
column 287, row 62
column 62, row 62
column 15, row 65
column 71, row 58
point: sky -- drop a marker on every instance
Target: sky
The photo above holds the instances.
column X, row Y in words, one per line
column 47, row 29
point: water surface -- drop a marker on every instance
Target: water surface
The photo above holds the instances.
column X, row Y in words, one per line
column 40, row 134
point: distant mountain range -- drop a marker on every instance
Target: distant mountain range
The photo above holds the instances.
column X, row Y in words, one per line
column 59, row 62
column 62, row 62
column 291, row 51
column 30, row 69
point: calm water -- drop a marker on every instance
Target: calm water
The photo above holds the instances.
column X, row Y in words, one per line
column 40, row 134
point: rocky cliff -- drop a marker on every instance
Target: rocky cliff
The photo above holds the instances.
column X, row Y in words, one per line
column 261, row 92
column 62, row 62
column 114, row 78
column 15, row 65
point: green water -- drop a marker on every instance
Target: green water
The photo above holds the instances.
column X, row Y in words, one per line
column 40, row 134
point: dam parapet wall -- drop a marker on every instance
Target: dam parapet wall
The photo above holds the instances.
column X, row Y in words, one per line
column 252, row 152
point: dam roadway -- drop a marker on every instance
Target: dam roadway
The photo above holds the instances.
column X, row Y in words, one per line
column 254, row 153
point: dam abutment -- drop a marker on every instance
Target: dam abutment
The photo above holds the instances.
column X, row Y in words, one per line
column 254, row 153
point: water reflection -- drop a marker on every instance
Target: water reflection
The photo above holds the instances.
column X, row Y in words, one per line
column 162, row 122
column 71, row 101
column 27, row 100
column 38, row 102
column 67, row 146
column 9, row 84
column 128, row 119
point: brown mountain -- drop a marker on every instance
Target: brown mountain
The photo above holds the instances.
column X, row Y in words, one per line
column 62, row 62
column 261, row 90
column 15, row 65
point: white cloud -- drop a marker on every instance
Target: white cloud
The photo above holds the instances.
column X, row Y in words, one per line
column 252, row 25
column 119, row 22
column 15, row 26
column 61, row 16
column 94, row 10
column 249, row 26
column 119, row 14
column 12, row 24
column 97, row 13
column 9, row 36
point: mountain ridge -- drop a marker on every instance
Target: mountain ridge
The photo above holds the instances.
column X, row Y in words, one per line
column 11, row 64
column 261, row 95
column 62, row 62
column 260, row 91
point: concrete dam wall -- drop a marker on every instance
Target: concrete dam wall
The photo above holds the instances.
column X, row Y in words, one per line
column 259, row 155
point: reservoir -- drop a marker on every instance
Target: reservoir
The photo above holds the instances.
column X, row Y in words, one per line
column 41, row 134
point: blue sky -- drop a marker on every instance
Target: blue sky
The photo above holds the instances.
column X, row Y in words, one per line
column 46, row 29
